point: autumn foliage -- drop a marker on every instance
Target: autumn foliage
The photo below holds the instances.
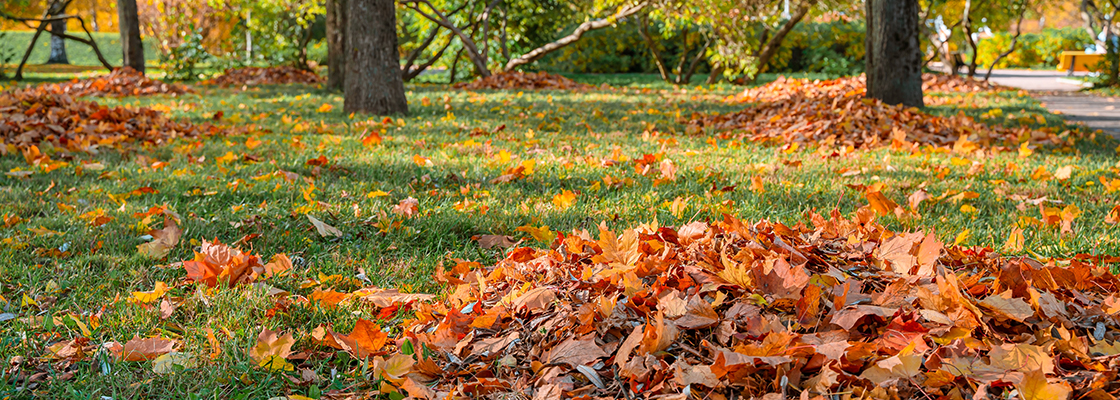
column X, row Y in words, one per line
column 264, row 76
column 522, row 80
column 732, row 308
column 835, row 113
column 957, row 83
column 30, row 118
column 123, row 81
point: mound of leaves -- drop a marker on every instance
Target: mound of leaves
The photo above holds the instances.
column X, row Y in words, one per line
column 522, row 80
column 121, row 82
column 739, row 310
column 957, row 83
column 277, row 75
column 33, row 117
column 835, row 112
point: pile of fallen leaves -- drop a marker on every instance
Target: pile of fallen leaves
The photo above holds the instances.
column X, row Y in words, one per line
column 30, row 118
column 733, row 309
column 835, row 112
column 121, row 82
column 276, row 75
column 957, row 83
column 522, row 80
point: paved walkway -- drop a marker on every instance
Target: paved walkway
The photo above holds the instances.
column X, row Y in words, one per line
column 1061, row 96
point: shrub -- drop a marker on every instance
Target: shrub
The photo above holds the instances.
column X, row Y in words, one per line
column 833, row 48
column 1035, row 50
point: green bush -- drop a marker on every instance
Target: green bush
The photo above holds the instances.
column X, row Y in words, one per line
column 1034, row 50
column 834, row 48
column 613, row 50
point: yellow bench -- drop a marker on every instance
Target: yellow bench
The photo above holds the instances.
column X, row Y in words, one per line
column 1079, row 61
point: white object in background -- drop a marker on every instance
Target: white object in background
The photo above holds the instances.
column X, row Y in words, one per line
column 785, row 13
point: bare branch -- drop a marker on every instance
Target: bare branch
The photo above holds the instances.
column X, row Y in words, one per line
column 539, row 52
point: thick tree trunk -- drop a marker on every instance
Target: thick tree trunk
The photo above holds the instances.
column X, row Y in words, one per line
column 58, row 44
column 336, row 44
column 894, row 56
column 373, row 60
column 132, row 49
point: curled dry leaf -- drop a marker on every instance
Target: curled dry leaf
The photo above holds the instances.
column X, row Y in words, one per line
column 139, row 349
column 324, row 229
column 163, row 240
column 272, row 349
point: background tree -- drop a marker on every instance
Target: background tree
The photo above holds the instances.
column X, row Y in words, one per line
column 475, row 31
column 747, row 33
column 894, row 56
column 132, row 48
column 374, row 82
column 1100, row 21
column 336, row 11
column 58, row 28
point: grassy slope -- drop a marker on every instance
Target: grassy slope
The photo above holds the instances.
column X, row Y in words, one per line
column 16, row 43
column 569, row 135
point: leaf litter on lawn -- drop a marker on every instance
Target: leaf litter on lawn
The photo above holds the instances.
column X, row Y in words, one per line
column 277, row 75
column 835, row 113
column 730, row 309
column 123, row 81
column 524, row 80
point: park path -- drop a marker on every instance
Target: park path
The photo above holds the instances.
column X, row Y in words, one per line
column 1063, row 97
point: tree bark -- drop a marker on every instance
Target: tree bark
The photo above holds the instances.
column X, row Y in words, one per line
column 58, row 44
column 336, row 44
column 643, row 30
column 775, row 42
column 373, row 56
column 132, row 49
column 894, row 55
column 1014, row 41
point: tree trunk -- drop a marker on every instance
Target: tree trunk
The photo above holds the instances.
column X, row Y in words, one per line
column 58, row 44
column 1014, row 41
column 774, row 43
column 373, row 59
column 132, row 49
column 894, row 56
column 336, row 44
column 715, row 75
column 966, row 20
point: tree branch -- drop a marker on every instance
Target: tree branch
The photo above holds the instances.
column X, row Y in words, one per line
column 585, row 27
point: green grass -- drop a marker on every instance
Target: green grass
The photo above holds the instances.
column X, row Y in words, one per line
column 15, row 42
column 573, row 137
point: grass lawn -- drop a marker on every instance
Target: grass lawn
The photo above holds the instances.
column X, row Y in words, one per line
column 447, row 154
column 15, row 42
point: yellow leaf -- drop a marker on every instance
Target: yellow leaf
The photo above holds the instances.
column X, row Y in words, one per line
column 962, row 237
column 564, row 200
column 325, row 108
column 148, row 297
column 756, row 185
column 1015, row 241
column 421, row 161
column 229, row 157
column 376, row 193
column 1035, row 386
column 542, row 234
column 967, row 209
